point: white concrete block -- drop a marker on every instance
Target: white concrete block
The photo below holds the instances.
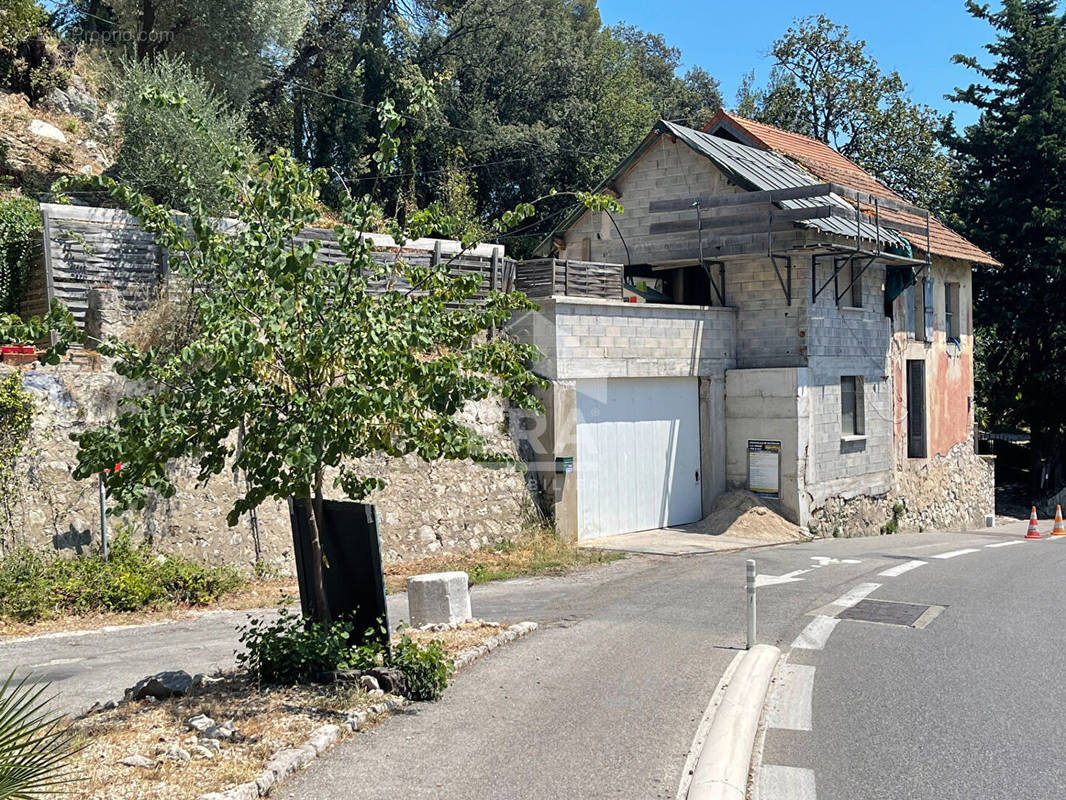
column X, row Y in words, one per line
column 439, row 597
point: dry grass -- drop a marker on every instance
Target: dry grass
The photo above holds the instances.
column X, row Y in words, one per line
column 256, row 593
column 542, row 553
column 269, row 719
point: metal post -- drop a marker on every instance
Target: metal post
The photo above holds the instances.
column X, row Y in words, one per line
column 103, row 517
column 749, row 586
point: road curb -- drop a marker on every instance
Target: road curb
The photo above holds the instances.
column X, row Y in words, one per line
column 724, row 762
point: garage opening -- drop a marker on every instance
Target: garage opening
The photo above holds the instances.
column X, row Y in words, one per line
column 638, row 455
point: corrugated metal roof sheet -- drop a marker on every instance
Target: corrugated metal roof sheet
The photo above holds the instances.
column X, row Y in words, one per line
column 757, row 170
column 829, row 165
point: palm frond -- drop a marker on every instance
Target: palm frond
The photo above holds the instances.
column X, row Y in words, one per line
column 35, row 742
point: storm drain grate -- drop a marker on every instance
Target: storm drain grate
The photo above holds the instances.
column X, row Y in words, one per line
column 891, row 613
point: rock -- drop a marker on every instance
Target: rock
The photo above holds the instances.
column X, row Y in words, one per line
column 38, row 127
column 389, row 679
column 438, row 597
column 175, row 753
column 265, row 781
column 74, row 100
column 136, row 760
column 243, row 791
column 284, row 763
column 369, row 683
column 224, row 731
column 200, row 680
column 174, row 683
column 199, row 723
column 356, row 720
column 202, row 752
column 210, row 744
column 323, row 738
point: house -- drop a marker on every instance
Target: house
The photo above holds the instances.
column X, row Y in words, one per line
column 764, row 315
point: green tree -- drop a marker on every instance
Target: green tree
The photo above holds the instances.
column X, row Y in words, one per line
column 236, row 44
column 1012, row 200
column 161, row 143
column 825, row 85
column 321, row 362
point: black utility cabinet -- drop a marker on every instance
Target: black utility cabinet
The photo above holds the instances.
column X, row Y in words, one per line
column 355, row 582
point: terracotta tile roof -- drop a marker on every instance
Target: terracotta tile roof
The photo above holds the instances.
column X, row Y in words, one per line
column 827, row 164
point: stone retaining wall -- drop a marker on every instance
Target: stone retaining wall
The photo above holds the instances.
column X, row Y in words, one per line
column 425, row 508
column 952, row 492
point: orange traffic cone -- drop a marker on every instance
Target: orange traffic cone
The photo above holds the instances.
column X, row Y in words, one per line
column 1033, row 532
column 1059, row 529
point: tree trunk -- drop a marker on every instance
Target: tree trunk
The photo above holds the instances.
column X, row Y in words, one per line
column 315, row 524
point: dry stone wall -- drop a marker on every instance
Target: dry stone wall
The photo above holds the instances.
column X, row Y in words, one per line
column 425, row 508
column 952, row 492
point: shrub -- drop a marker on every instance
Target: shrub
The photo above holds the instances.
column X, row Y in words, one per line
column 296, row 649
column 154, row 138
column 293, row 649
column 34, row 586
column 20, row 242
column 426, row 667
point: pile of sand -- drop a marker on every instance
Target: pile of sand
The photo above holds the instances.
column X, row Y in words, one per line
column 747, row 516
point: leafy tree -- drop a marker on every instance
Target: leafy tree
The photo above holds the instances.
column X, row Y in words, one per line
column 535, row 92
column 157, row 140
column 825, row 85
column 1012, row 199
column 321, row 362
column 236, row 44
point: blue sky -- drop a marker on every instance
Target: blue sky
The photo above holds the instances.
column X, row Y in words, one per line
column 915, row 37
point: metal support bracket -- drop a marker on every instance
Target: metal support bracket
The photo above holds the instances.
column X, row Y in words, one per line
column 786, row 280
column 719, row 286
column 855, row 278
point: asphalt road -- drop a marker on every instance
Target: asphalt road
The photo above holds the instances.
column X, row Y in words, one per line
column 604, row 699
column 605, row 702
column 969, row 707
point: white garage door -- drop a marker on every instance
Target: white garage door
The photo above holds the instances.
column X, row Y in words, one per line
column 638, row 454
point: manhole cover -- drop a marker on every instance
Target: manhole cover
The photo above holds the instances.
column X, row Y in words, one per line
column 891, row 613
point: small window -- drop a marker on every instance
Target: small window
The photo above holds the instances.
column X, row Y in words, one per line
column 855, row 293
column 852, row 407
column 919, row 310
column 952, row 329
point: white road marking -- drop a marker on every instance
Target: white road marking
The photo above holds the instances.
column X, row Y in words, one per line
column 1008, row 544
column 705, row 726
column 826, row 560
column 954, row 553
column 1054, row 538
column 56, row 662
column 899, row 569
column 848, row 599
column 786, row 783
column 816, row 634
column 793, row 698
column 774, row 580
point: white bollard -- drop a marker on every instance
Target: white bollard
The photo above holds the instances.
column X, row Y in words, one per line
column 749, row 585
column 438, row 598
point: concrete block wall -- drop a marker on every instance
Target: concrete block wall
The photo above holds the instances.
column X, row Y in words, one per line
column 668, row 171
column 839, row 466
column 584, row 338
column 765, row 404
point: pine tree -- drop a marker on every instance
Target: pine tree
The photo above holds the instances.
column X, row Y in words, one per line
column 1012, row 200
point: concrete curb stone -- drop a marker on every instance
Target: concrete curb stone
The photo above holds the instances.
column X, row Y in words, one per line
column 724, row 762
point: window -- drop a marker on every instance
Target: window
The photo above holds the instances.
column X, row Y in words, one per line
column 952, row 329
column 916, row 409
column 852, row 407
column 855, row 293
